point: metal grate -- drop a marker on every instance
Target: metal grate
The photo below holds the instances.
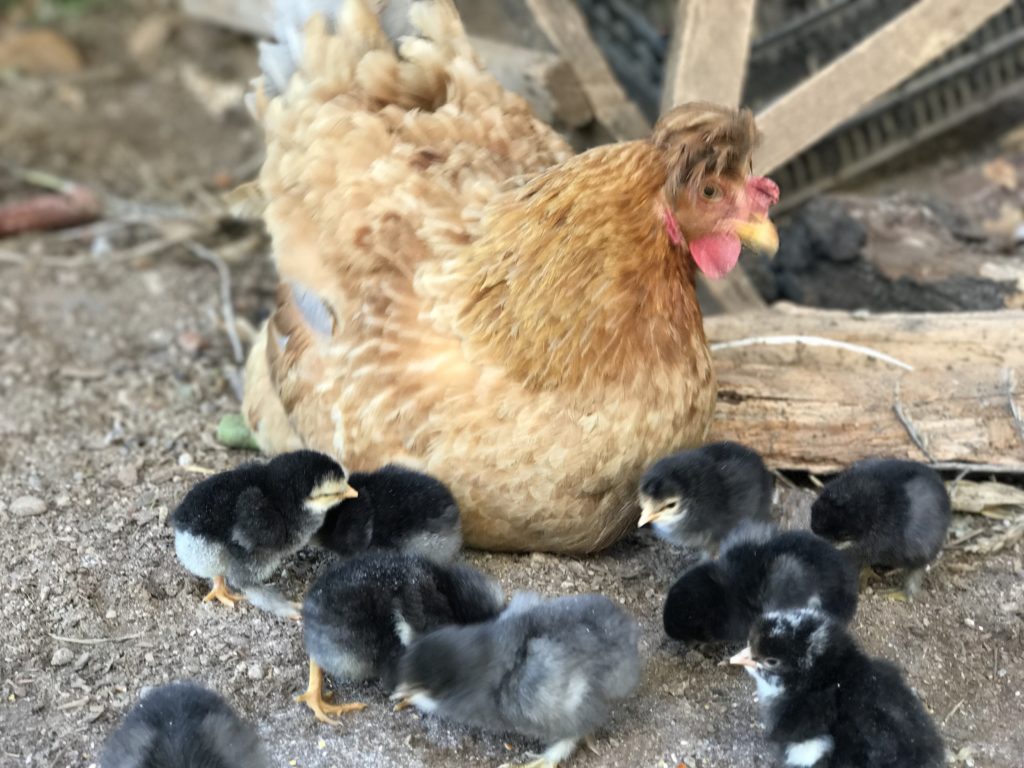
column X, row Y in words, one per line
column 986, row 68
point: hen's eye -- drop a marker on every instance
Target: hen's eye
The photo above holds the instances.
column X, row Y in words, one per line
column 711, row 192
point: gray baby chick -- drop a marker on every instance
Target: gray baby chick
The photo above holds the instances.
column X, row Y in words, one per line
column 361, row 613
column 183, row 725
column 695, row 498
column 238, row 526
column 547, row 669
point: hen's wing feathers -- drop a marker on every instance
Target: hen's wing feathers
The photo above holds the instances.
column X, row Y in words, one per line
column 366, row 199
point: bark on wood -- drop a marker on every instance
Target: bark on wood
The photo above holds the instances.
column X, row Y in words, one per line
column 879, row 63
column 707, row 58
column 565, row 26
column 76, row 205
column 819, row 409
column 543, row 78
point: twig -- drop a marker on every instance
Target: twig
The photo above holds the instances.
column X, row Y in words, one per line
column 783, row 479
column 915, row 436
column 968, row 468
column 96, row 640
column 1010, row 376
column 811, row 341
column 956, row 482
column 198, row 470
column 227, row 310
column 953, row 711
column 965, row 538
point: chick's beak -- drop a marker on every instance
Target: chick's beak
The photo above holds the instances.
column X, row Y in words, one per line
column 759, row 234
column 647, row 515
column 348, row 492
column 744, row 658
column 404, row 692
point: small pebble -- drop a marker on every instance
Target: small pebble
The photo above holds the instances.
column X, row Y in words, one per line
column 81, row 661
column 61, row 657
column 254, row 671
column 110, row 614
column 27, row 506
column 63, row 501
column 127, row 476
column 185, row 460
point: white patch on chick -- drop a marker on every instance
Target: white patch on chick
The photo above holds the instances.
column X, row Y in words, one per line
column 802, row 754
column 199, row 555
column 423, row 702
column 767, row 689
column 406, row 634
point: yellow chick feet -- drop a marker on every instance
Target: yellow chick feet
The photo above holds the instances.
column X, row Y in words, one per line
column 222, row 594
column 313, row 698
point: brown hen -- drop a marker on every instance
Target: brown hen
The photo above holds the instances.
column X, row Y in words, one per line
column 459, row 293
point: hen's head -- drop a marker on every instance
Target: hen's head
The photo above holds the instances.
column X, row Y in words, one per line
column 712, row 203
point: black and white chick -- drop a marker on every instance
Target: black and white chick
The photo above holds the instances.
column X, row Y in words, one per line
column 827, row 703
column 238, row 526
column 547, row 669
column 361, row 613
column 758, row 569
column 183, row 725
column 695, row 498
column 398, row 509
column 886, row 512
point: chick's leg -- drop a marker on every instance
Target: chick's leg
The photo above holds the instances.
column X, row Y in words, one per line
column 313, row 698
column 553, row 756
column 222, row 594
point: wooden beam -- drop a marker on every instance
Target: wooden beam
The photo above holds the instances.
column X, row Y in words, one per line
column 707, row 58
column 819, row 409
column 544, row 79
column 877, row 64
column 565, row 26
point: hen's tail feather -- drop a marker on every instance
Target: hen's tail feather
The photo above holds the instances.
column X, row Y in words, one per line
column 348, row 42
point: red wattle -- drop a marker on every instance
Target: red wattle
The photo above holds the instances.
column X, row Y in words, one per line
column 716, row 254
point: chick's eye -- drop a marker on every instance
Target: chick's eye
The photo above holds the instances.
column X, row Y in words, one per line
column 770, row 663
column 711, row 192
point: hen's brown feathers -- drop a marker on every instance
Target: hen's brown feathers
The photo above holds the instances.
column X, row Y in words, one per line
column 700, row 140
column 459, row 293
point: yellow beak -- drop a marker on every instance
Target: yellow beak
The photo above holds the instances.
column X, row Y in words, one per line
column 647, row 515
column 744, row 658
column 758, row 234
column 349, row 492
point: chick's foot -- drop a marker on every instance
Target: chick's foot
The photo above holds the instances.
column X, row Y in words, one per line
column 553, row 756
column 222, row 594
column 314, row 699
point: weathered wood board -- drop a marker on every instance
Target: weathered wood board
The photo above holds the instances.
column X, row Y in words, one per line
column 819, row 409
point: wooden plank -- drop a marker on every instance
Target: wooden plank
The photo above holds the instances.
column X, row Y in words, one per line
column 544, row 79
column 565, row 26
column 250, row 16
column 819, row 409
column 874, row 66
column 707, row 58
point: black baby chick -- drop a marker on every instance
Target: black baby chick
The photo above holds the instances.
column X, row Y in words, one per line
column 398, row 509
column 889, row 512
column 826, row 703
column 361, row 613
column 758, row 569
column 183, row 725
column 694, row 498
column 547, row 669
column 238, row 526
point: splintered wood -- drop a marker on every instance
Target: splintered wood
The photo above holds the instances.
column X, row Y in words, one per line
column 820, row 409
column 565, row 26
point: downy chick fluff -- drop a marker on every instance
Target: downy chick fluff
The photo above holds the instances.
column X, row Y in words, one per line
column 238, row 526
column 398, row 509
column 694, row 498
column 889, row 512
column 361, row 613
column 826, row 703
column 547, row 669
column 183, row 725
column 759, row 569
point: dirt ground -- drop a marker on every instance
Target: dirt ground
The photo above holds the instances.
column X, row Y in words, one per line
column 114, row 373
